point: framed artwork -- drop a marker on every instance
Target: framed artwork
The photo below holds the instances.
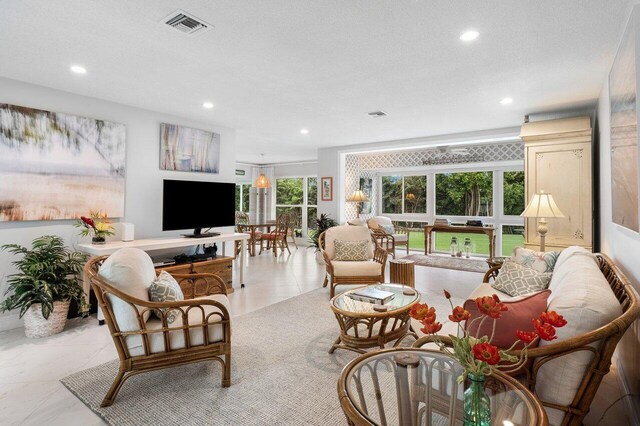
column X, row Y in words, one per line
column 366, row 186
column 59, row 166
column 189, row 150
column 624, row 132
column 326, row 185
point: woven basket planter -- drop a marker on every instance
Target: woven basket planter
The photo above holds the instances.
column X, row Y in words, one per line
column 36, row 326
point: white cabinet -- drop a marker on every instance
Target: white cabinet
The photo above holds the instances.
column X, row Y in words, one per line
column 558, row 161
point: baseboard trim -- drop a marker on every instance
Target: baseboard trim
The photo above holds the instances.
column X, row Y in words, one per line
column 633, row 410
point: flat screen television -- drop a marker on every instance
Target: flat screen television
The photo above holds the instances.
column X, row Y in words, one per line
column 197, row 205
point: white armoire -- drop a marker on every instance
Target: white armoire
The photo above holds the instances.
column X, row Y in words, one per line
column 558, row 161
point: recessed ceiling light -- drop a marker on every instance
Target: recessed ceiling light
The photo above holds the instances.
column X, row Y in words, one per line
column 469, row 35
column 506, row 101
column 207, row 105
column 304, row 131
column 78, row 69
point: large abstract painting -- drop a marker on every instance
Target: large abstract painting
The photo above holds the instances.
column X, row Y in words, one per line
column 624, row 133
column 59, row 166
column 189, row 150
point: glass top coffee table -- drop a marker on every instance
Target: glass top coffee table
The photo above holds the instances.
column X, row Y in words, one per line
column 366, row 325
column 414, row 386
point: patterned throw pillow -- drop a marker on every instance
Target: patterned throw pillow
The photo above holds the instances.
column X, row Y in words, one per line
column 351, row 250
column 517, row 280
column 165, row 288
column 389, row 229
column 540, row 261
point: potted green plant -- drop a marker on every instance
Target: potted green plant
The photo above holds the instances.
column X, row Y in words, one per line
column 45, row 284
column 323, row 223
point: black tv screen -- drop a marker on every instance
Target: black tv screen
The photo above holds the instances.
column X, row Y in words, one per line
column 194, row 205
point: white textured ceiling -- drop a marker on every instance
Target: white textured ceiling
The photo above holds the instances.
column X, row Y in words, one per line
column 273, row 67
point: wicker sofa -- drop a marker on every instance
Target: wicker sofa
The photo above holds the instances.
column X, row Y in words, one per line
column 599, row 304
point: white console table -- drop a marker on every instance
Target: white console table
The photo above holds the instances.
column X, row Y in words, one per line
column 167, row 243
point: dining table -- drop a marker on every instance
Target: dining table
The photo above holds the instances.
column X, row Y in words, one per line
column 252, row 229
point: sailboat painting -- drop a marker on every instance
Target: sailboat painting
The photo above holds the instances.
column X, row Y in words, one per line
column 189, row 150
column 59, row 166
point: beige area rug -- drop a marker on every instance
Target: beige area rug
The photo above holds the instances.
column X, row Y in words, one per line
column 448, row 262
column 282, row 374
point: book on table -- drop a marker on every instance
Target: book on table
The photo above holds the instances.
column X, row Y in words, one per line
column 372, row 295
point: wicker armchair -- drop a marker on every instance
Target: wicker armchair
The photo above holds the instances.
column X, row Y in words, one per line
column 600, row 342
column 353, row 272
column 202, row 331
column 386, row 240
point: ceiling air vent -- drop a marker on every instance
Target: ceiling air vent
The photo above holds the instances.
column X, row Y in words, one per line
column 376, row 114
column 186, row 23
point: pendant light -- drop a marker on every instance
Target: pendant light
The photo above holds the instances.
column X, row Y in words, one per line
column 262, row 181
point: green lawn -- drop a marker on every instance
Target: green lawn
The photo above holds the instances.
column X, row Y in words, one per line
column 479, row 243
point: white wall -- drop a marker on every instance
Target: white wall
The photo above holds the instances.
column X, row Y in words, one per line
column 143, row 200
column 619, row 243
column 293, row 170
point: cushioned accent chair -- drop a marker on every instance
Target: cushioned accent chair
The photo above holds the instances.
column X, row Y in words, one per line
column 370, row 271
column 201, row 332
column 599, row 305
column 386, row 240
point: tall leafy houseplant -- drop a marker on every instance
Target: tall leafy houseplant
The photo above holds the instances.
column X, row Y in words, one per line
column 323, row 223
column 46, row 282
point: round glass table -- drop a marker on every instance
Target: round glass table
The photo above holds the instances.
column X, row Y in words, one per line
column 415, row 386
column 364, row 324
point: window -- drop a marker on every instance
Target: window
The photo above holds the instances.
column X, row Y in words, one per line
column 404, row 194
column 298, row 196
column 464, row 194
column 513, row 193
column 242, row 197
column 512, row 237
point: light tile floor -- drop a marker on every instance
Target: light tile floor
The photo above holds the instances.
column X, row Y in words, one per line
column 30, row 369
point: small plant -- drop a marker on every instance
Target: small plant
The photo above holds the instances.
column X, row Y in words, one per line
column 95, row 225
column 323, row 223
column 48, row 273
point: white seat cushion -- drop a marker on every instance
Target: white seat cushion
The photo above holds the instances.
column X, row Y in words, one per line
column 131, row 271
column 376, row 221
column 176, row 337
column 357, row 222
column 400, row 238
column 355, row 269
column 583, row 296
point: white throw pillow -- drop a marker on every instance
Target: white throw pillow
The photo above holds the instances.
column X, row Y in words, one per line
column 581, row 294
column 389, row 229
column 165, row 288
column 131, row 271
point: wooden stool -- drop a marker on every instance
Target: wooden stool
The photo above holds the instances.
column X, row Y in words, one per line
column 402, row 271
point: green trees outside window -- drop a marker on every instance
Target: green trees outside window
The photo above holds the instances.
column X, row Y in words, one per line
column 514, row 202
column 464, row 194
column 242, row 197
column 404, row 194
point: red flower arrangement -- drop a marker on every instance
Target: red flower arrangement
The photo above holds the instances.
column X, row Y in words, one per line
column 476, row 354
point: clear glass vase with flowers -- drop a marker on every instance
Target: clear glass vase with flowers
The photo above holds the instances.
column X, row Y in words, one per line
column 476, row 353
column 97, row 225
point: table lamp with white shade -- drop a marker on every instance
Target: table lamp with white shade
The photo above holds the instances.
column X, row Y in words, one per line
column 358, row 197
column 542, row 206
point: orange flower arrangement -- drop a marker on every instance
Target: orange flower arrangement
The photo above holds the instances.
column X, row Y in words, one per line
column 476, row 354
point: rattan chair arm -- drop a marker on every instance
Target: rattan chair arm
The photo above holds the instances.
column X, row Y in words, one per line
column 400, row 230
column 220, row 286
column 430, row 338
column 380, row 255
column 490, row 273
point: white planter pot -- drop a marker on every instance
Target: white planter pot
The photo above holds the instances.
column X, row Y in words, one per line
column 319, row 258
column 36, row 326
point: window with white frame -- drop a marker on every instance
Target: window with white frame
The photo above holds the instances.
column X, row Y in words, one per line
column 242, row 197
column 298, row 196
column 494, row 195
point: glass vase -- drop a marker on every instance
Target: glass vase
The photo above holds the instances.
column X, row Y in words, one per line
column 98, row 240
column 454, row 246
column 477, row 407
column 467, row 247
